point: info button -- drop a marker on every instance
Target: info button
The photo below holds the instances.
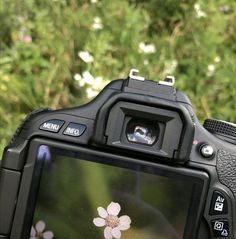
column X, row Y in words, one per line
column 75, row 130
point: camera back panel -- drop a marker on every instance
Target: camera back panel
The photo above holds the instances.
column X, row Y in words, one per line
column 132, row 125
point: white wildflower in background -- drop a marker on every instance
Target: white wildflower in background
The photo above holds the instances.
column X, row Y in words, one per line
column 97, row 23
column 95, row 84
column 146, row 62
column 91, row 93
column 85, row 56
column 86, row 78
column 146, row 48
column 217, row 59
column 224, row 8
column 170, row 66
column 77, row 77
column 94, row 1
column 38, row 232
column 23, row 36
column 26, row 39
column 199, row 12
column 98, row 82
column 210, row 70
column 21, row 19
column 110, row 220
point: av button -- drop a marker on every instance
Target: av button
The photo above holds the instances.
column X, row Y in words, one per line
column 53, row 125
column 74, row 130
column 220, row 228
column 219, row 204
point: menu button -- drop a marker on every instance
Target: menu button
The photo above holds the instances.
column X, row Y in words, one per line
column 52, row 125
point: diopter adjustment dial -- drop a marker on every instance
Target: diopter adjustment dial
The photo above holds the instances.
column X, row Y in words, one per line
column 221, row 129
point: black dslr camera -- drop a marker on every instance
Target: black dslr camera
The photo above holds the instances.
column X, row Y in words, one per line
column 134, row 163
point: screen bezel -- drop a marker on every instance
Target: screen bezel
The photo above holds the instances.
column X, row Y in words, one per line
column 33, row 169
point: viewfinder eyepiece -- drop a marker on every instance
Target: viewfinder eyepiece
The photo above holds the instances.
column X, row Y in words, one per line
column 142, row 131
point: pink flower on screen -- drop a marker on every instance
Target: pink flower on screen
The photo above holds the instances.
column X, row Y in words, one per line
column 38, row 232
column 110, row 220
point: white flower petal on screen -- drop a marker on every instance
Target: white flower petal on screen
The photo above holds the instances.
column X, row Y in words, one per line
column 116, row 233
column 125, row 219
column 37, row 232
column 102, row 212
column 108, row 233
column 113, row 208
column 48, row 235
column 124, row 223
column 99, row 222
column 32, row 232
column 124, row 226
column 40, row 226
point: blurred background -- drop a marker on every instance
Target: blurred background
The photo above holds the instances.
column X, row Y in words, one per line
column 61, row 53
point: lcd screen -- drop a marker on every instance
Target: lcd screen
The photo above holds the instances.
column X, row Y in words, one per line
column 82, row 196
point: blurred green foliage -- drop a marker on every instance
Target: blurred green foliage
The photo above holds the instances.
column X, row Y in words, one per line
column 40, row 41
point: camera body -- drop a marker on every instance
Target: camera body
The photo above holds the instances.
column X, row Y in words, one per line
column 138, row 125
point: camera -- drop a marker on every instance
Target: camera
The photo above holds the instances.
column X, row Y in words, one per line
column 134, row 163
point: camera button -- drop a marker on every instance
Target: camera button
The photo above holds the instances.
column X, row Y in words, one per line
column 53, row 125
column 207, row 151
column 220, row 228
column 219, row 204
column 74, row 130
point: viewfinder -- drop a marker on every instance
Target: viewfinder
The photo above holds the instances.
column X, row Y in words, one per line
column 142, row 131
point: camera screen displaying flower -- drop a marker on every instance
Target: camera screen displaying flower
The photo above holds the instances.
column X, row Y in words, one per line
column 85, row 198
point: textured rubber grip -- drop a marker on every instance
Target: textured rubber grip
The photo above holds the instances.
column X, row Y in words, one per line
column 28, row 118
column 226, row 168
